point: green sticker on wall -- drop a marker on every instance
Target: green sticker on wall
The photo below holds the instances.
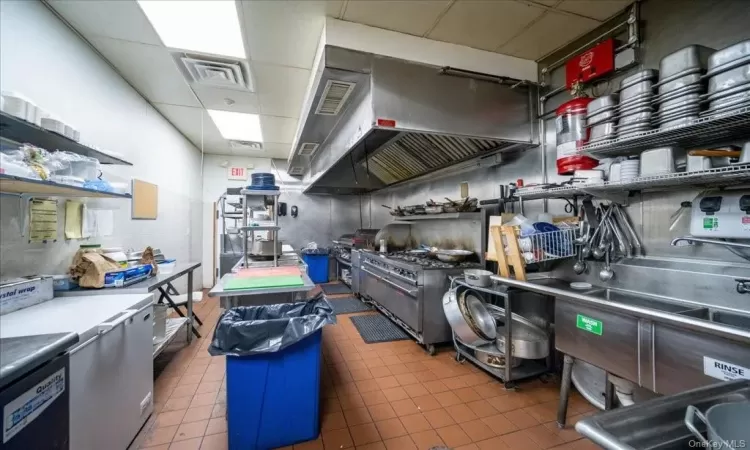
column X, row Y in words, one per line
column 589, row 324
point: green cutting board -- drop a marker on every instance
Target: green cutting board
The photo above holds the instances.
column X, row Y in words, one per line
column 276, row 281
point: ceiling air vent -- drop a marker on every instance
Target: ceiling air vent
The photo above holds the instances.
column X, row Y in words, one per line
column 307, row 149
column 296, row 170
column 246, row 145
column 215, row 72
column 333, row 98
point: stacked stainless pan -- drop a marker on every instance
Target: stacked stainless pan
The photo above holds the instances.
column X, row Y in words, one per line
column 601, row 118
column 635, row 110
column 680, row 86
column 728, row 79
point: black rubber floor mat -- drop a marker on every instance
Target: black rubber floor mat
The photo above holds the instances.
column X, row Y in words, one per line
column 335, row 288
column 348, row 305
column 378, row 328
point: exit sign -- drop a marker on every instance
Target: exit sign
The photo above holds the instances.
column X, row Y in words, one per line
column 237, row 173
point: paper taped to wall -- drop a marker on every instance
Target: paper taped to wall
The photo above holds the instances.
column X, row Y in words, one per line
column 42, row 220
column 73, row 220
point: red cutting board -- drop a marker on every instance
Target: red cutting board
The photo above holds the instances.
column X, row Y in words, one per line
column 268, row 272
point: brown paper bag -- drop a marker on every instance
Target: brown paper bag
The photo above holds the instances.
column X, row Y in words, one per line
column 90, row 268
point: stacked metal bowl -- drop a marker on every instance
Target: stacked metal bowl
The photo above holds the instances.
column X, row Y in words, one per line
column 635, row 110
column 601, row 118
column 728, row 79
column 680, row 86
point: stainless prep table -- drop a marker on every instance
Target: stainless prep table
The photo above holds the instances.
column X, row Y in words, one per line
column 160, row 282
column 661, row 344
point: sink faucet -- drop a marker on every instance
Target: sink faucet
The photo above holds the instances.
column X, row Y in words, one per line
column 690, row 240
column 743, row 285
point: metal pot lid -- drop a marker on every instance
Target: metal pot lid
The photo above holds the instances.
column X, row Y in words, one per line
column 590, row 381
column 480, row 317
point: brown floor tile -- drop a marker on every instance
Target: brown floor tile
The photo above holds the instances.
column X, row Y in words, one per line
column 435, row 387
column 416, row 366
column 415, row 390
column 399, row 369
column 351, row 402
column 477, row 430
column 216, row 426
column 361, row 374
column 454, row 383
column 415, row 423
column 333, row 421
column 337, row 439
column 543, row 412
column 425, row 440
column 471, row 446
column 191, row 378
column 215, row 442
column 521, row 419
column 198, row 413
column 426, row 403
column 439, row 418
column 208, row 386
column 390, row 428
column 169, row 418
column 405, row 407
column 400, row 443
column 357, row 416
column 204, row 399
column 406, row 379
column 219, row 410
column 461, row 413
column 447, row 399
column 188, row 444
column 184, row 390
column 380, row 371
column 499, row 424
column 191, row 430
column 387, row 382
column 356, row 365
column 160, row 436
column 374, row 446
column 520, row 440
column 544, row 437
column 367, row 385
column 374, row 398
column 453, row 436
column 490, row 390
column 374, row 362
column 467, row 394
column 390, row 360
column 496, row 443
column 482, row 408
column 395, row 394
column 567, row 434
column 364, row 434
column 315, row 444
column 156, row 447
column 381, row 412
column 425, row 375
column 174, row 404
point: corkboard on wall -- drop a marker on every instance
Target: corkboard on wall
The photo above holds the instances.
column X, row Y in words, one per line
column 145, row 200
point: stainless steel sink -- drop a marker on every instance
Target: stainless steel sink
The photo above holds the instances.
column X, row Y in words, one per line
column 722, row 317
column 641, row 300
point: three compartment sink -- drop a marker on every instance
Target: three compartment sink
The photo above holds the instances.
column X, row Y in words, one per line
column 667, row 305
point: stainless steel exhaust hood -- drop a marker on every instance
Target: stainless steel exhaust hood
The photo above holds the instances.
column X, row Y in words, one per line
column 373, row 121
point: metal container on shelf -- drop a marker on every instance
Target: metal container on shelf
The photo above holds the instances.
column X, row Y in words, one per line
column 646, row 74
column 739, row 76
column 637, row 90
column 529, row 340
column 684, row 59
column 604, row 130
column 726, row 56
column 494, row 360
column 643, row 116
column 606, row 115
column 690, row 78
column 603, row 103
column 687, row 99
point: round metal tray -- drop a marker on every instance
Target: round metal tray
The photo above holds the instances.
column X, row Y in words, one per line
column 529, row 340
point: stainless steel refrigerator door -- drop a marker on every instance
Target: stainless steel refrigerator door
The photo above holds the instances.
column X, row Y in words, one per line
column 111, row 383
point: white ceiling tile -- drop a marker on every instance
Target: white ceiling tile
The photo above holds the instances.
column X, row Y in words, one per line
column 596, row 9
column 122, row 19
column 215, row 98
column 484, row 24
column 549, row 33
column 270, row 150
column 283, row 32
column 149, row 68
column 196, row 125
column 281, row 89
column 278, row 129
column 406, row 16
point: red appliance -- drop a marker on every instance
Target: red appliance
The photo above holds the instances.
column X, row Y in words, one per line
column 593, row 63
column 572, row 134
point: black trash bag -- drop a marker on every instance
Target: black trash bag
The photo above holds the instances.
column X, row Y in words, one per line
column 252, row 330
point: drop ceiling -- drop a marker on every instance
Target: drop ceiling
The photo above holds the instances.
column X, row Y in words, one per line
column 281, row 38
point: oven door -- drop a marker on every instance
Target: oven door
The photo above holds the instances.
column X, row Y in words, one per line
column 398, row 297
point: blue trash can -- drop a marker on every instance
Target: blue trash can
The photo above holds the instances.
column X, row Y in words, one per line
column 273, row 398
column 317, row 267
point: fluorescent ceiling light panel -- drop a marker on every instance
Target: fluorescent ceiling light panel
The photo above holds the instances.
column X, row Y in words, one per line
column 208, row 26
column 237, row 126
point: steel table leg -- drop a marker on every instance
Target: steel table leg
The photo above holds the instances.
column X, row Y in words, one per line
column 562, row 408
column 190, row 306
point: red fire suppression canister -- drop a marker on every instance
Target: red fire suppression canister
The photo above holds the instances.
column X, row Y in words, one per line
column 572, row 134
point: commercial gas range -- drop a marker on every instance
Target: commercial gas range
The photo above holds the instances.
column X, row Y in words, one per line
column 409, row 290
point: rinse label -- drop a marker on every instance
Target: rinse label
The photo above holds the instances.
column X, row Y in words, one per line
column 723, row 370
